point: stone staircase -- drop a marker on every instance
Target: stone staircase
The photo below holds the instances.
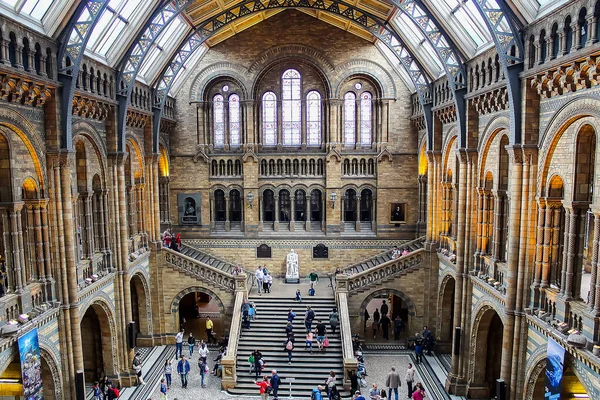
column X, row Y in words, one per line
column 382, row 258
column 267, row 334
column 206, row 258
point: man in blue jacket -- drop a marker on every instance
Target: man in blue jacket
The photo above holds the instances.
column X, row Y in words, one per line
column 183, row 369
column 275, row 382
column 316, row 393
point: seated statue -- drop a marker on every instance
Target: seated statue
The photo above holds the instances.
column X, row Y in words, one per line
column 292, row 274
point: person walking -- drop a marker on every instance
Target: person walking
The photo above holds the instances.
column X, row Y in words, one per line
column 191, row 343
column 374, row 326
column 275, row 382
column 113, row 392
column 334, row 320
column 419, row 393
column 265, row 282
column 316, row 393
column 137, row 367
column 269, row 279
column 393, row 382
column 313, row 277
column 163, row 390
column 330, row 384
column 252, row 312
column 289, row 347
column 209, row 331
column 263, row 388
column 367, row 317
column 179, row 344
column 203, row 351
column 308, row 317
column 259, row 275
column 384, row 308
column 418, row 351
column 309, row 340
column 397, row 327
column 203, row 370
column 168, row 370
column 183, row 369
column 321, row 333
column 257, row 366
column 428, row 340
column 409, row 378
column 385, row 326
column 289, row 329
column 291, row 316
column 376, row 316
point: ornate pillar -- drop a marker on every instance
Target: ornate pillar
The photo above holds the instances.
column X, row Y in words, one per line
column 546, row 246
column 4, row 52
column 594, row 272
column 357, row 214
column 21, row 246
column 47, row 258
column 155, row 194
column 374, row 213
column 570, row 250
column 576, row 29
column 276, row 223
column 260, row 213
column 15, row 214
column 536, row 295
column 343, row 216
column 39, row 248
column 308, row 214
column 227, row 216
column 592, row 34
column 293, row 211
column 18, row 56
column 554, row 243
column 497, row 226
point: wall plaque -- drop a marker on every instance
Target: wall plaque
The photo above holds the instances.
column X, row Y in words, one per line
column 188, row 208
column 320, row 251
column 263, row 251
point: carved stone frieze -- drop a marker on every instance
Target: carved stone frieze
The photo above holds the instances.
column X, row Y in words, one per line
column 15, row 89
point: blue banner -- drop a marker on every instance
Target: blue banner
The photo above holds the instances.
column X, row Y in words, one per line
column 31, row 365
column 555, row 363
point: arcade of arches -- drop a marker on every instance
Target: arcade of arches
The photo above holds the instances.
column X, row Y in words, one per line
column 337, row 132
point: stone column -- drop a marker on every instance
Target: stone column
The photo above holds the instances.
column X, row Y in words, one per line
column 430, row 200
column 308, row 214
column 357, row 214
column 15, row 214
column 155, row 192
column 47, row 258
column 570, row 250
column 102, row 245
column 227, row 216
column 292, row 211
column 592, row 34
column 39, row 248
column 546, row 247
column 554, row 241
column 480, row 213
column 18, row 57
column 89, row 224
column 4, row 52
column 21, row 246
column 594, row 272
column 576, row 29
column 343, row 216
column 539, row 254
column 276, row 223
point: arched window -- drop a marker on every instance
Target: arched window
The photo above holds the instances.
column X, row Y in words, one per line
column 365, row 118
column 219, row 120
column 234, row 120
column 349, row 119
column 269, row 105
column 292, row 108
column 313, row 118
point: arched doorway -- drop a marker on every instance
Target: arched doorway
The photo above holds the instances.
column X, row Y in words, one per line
column 316, row 206
column 300, row 205
column 447, row 315
column 571, row 387
column 397, row 304
column 350, row 205
column 268, row 206
column 235, row 200
column 50, row 375
column 366, row 205
column 220, row 205
column 194, row 310
column 284, row 205
column 139, row 305
column 487, row 354
column 96, row 335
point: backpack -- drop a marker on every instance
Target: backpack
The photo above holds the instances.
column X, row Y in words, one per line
column 311, row 292
column 251, row 359
column 311, row 315
column 289, row 346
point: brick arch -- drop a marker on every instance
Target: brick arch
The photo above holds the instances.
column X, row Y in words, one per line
column 106, row 315
column 496, row 126
column 193, row 289
column 483, row 316
column 215, row 71
column 314, row 56
column 412, row 309
column 53, row 363
column 374, row 71
column 533, row 373
column 441, row 329
column 142, row 276
column 91, row 136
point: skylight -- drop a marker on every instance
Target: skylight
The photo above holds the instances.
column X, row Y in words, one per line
column 34, row 8
column 111, row 25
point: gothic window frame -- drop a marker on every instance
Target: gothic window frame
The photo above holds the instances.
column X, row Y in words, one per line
column 218, row 119
column 350, row 123
column 273, row 130
column 314, row 123
column 291, row 108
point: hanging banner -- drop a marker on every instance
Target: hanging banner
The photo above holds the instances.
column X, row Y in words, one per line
column 31, row 365
column 555, row 364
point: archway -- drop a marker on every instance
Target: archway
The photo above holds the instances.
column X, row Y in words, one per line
column 97, row 343
column 300, row 205
column 487, row 354
column 194, row 306
column 219, row 205
column 447, row 315
column 398, row 305
column 139, row 305
column 315, row 205
column 350, row 205
column 50, row 378
column 236, row 206
column 268, row 206
column 366, row 203
column 571, row 387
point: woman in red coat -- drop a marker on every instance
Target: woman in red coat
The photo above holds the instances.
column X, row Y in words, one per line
column 263, row 388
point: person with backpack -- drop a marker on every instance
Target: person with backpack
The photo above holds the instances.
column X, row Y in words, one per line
column 257, row 356
column 316, row 393
column 264, row 385
column 308, row 317
column 163, row 390
column 246, row 315
column 113, row 392
column 183, row 369
column 275, row 382
column 252, row 312
column 289, row 347
column 321, row 333
column 334, row 320
column 203, row 370
column 289, row 329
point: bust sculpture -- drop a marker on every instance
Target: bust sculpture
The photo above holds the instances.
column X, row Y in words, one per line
column 292, row 274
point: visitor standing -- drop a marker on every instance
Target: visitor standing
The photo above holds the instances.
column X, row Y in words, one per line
column 376, row 316
column 269, row 279
column 263, row 388
column 353, row 382
column 419, row 393
column 428, row 340
column 358, row 396
column 168, row 369
column 384, row 308
column 209, row 331
column 321, row 333
column 163, row 390
column 385, row 326
column 137, row 367
column 203, row 370
column 191, row 343
column 183, row 369
column 97, row 391
column 374, row 326
column 179, row 344
column 259, row 275
column 334, row 320
column 330, row 384
column 410, row 378
column 257, row 364
column 298, row 295
column 393, row 382
column 419, row 351
column 316, row 393
column 367, row 317
column 265, row 283
column 313, row 278
column 203, row 351
column 398, row 325
column 275, row 382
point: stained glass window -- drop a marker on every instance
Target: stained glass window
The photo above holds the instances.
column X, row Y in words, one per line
column 349, row 119
column 291, row 102
column 219, row 120
column 365, row 119
column 234, row 120
column 269, row 105
column 313, row 118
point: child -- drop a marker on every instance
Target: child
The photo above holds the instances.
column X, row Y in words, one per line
column 97, row 392
column 309, row 340
column 163, row 389
column 251, row 311
column 298, row 295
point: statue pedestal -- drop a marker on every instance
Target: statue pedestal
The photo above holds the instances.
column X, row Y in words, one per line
column 292, row 278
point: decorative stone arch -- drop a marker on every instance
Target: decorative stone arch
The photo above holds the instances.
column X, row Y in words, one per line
column 482, row 309
column 440, row 329
column 134, row 144
column 193, row 289
column 146, row 318
column 538, row 361
column 107, row 316
column 449, row 143
column 284, row 186
column 496, row 126
column 86, row 132
column 366, row 186
column 372, row 70
column 423, row 161
column 268, row 186
column 412, row 310
column 164, row 161
column 53, row 363
column 299, row 186
column 215, row 71
column 39, row 166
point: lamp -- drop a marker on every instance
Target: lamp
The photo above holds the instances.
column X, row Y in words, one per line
column 333, row 198
column 250, row 198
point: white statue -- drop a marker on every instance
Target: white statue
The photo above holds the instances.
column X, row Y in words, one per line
column 292, row 274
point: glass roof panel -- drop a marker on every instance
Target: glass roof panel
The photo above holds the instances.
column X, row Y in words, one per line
column 36, row 8
column 188, row 67
column 414, row 38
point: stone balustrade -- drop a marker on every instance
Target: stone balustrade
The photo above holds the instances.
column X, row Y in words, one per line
column 228, row 363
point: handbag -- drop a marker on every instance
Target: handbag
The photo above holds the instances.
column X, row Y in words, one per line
column 326, row 342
